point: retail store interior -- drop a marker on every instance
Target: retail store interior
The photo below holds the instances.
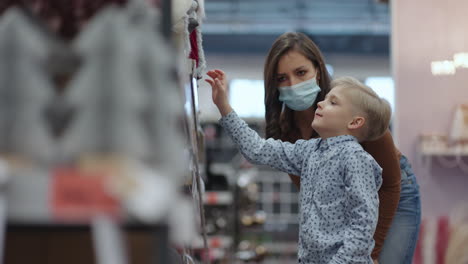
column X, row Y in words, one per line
column 111, row 149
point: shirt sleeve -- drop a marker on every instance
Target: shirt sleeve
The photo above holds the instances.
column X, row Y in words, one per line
column 363, row 177
column 283, row 156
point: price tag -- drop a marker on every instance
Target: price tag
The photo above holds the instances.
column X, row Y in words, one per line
column 78, row 196
column 211, row 198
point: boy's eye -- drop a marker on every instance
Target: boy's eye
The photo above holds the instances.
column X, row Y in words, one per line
column 333, row 102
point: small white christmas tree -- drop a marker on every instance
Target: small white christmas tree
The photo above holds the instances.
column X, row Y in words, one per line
column 165, row 111
column 25, row 88
column 107, row 93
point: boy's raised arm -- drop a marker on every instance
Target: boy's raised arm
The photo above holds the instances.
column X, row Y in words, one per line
column 280, row 155
column 218, row 84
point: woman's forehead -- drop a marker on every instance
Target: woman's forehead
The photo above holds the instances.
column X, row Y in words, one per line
column 293, row 55
column 293, row 60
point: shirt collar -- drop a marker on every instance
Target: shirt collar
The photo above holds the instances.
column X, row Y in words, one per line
column 334, row 141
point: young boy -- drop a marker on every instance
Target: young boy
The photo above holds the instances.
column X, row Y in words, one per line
column 339, row 180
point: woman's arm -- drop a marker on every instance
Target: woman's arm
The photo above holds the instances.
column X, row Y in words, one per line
column 384, row 152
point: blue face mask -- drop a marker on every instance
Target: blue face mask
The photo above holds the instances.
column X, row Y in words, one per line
column 300, row 96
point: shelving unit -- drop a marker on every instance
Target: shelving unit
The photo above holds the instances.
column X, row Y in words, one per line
column 446, row 152
column 219, row 215
column 455, row 156
column 60, row 212
column 265, row 201
column 217, row 198
column 277, row 199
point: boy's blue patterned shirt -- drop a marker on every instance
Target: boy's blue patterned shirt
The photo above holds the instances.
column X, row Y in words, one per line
column 338, row 195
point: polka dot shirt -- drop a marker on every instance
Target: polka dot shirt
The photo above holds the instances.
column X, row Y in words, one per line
column 338, row 197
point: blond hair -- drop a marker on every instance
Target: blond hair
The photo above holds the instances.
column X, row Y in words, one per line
column 376, row 110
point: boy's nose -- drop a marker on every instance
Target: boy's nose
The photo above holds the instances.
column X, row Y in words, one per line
column 319, row 104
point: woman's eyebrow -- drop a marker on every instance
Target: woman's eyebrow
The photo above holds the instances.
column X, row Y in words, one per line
column 302, row 67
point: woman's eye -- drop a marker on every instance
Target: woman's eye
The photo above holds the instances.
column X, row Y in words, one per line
column 333, row 102
column 301, row 73
column 281, row 79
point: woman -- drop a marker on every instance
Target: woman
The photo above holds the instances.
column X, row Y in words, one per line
column 296, row 65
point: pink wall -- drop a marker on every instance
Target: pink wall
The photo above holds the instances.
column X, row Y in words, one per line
column 424, row 31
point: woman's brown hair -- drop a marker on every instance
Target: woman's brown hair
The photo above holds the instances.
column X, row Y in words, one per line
column 280, row 120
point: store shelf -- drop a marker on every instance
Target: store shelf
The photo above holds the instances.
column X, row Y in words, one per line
column 449, row 158
column 30, row 214
column 214, row 242
column 281, row 247
column 35, row 198
column 219, row 242
column 27, row 197
column 445, row 152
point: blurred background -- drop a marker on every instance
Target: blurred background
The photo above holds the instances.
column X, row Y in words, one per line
column 406, row 51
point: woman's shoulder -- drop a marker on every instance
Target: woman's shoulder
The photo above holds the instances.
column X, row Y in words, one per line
column 384, row 144
column 383, row 150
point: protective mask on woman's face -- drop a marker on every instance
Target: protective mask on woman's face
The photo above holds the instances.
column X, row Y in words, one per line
column 300, row 96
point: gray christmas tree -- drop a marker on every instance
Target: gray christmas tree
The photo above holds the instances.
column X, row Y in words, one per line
column 165, row 111
column 25, row 88
column 107, row 93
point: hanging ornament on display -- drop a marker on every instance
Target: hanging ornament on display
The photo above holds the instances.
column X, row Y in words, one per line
column 180, row 22
column 196, row 48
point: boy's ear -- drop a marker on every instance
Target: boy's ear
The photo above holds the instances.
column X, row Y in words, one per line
column 357, row 122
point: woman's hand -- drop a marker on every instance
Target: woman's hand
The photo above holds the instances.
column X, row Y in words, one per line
column 219, row 91
column 376, row 261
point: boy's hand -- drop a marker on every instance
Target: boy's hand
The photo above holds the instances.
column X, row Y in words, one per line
column 219, row 91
